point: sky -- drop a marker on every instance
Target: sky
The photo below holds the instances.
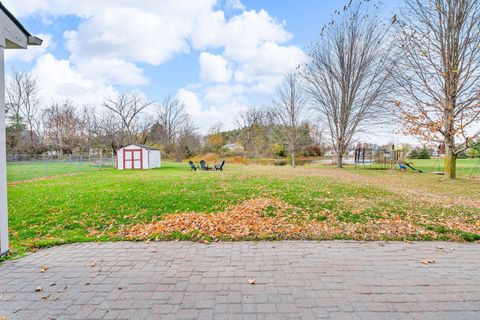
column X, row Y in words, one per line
column 218, row 56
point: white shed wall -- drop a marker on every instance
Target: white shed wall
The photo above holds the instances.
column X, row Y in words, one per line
column 155, row 159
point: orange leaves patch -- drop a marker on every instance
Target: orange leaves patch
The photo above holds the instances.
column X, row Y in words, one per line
column 237, row 222
column 272, row 219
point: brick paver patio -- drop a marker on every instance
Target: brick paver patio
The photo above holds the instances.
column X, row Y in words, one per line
column 294, row 280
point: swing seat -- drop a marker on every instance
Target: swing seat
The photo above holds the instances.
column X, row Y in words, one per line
column 440, row 173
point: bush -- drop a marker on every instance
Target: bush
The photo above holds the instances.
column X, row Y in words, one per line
column 313, row 150
column 278, row 150
column 424, row 153
column 414, row 154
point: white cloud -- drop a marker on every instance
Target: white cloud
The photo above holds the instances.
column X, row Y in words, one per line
column 270, row 64
column 214, row 68
column 60, row 81
column 223, row 93
column 113, row 71
column 204, row 117
column 235, row 4
column 32, row 53
column 245, row 53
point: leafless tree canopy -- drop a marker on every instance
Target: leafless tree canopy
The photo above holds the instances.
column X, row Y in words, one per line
column 439, row 73
column 126, row 124
column 62, row 124
column 348, row 76
column 172, row 119
column 251, row 123
column 22, row 104
column 289, row 112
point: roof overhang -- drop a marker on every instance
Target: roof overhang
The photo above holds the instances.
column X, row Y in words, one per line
column 13, row 33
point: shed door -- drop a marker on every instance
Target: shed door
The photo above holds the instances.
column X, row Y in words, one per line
column 133, row 159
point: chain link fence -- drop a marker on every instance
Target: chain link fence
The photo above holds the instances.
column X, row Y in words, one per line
column 30, row 166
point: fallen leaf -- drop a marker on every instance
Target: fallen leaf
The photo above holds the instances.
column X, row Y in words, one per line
column 43, row 269
column 427, row 261
column 45, row 298
column 93, row 264
column 39, row 288
column 252, row 281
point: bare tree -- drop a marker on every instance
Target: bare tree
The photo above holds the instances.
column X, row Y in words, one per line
column 111, row 132
column 439, row 73
column 347, row 75
column 289, row 111
column 187, row 141
column 23, row 104
column 250, row 123
column 126, row 110
column 62, row 127
column 172, row 118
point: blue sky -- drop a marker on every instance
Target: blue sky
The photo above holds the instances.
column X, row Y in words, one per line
column 218, row 56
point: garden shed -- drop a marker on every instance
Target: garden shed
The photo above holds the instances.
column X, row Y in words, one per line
column 138, row 156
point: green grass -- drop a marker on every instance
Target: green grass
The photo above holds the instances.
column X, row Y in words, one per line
column 464, row 166
column 31, row 170
column 94, row 204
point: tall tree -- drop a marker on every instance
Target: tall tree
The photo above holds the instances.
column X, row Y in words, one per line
column 172, row 119
column 62, row 126
column 22, row 104
column 126, row 110
column 289, row 111
column 439, row 73
column 347, row 74
column 251, row 123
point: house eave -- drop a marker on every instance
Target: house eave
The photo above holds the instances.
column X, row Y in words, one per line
column 34, row 41
column 14, row 33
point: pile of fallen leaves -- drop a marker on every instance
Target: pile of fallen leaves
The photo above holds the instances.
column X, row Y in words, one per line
column 265, row 218
column 251, row 219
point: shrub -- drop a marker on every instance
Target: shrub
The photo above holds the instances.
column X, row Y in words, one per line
column 424, row 153
column 414, row 154
column 278, row 150
column 313, row 150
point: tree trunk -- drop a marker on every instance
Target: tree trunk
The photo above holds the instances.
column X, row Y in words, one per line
column 450, row 162
column 340, row 159
column 293, row 159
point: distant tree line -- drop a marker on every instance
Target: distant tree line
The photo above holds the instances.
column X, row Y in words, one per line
column 419, row 68
column 61, row 127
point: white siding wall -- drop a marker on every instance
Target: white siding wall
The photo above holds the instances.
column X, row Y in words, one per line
column 120, row 159
column 145, row 158
column 155, row 159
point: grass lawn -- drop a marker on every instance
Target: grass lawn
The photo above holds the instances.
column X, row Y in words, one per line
column 31, row 170
column 249, row 202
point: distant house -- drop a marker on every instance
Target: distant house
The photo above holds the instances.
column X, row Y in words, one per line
column 138, row 156
column 234, row 147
